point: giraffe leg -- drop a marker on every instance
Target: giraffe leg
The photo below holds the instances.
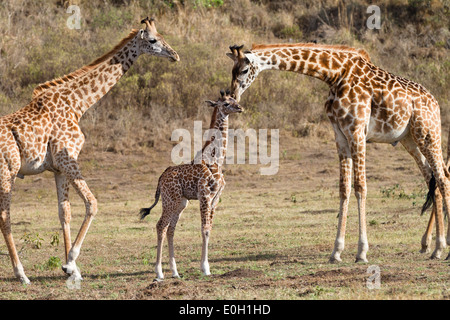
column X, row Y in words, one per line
column 170, row 235
column 437, row 214
column 447, row 211
column 427, row 236
column 68, row 166
column 161, row 229
column 358, row 150
column 430, row 146
column 345, row 173
column 91, row 209
column 412, row 148
column 62, row 189
column 206, row 210
column 6, row 186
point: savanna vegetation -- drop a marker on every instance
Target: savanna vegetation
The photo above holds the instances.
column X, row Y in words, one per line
column 272, row 235
column 36, row 45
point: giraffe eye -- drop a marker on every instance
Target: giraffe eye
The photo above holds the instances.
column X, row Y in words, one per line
column 245, row 71
column 152, row 41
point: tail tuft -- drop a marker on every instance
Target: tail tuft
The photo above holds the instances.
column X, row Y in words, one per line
column 430, row 196
column 144, row 212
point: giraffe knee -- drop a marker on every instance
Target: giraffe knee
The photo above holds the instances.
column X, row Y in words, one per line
column 3, row 216
column 171, row 231
column 91, row 207
column 161, row 226
column 64, row 212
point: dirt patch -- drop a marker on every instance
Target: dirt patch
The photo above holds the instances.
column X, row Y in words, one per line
column 336, row 277
column 169, row 289
column 287, row 261
column 242, row 273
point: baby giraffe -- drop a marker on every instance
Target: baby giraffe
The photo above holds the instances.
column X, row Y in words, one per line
column 201, row 180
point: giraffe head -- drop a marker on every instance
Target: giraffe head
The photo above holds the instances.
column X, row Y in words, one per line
column 226, row 104
column 244, row 71
column 151, row 42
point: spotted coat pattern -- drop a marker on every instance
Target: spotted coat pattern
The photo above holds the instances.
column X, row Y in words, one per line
column 45, row 135
column 365, row 104
column 201, row 180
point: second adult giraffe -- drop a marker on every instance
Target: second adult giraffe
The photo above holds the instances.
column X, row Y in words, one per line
column 45, row 135
column 365, row 104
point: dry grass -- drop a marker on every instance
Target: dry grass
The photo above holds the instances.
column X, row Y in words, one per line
column 36, row 46
column 271, row 239
column 272, row 234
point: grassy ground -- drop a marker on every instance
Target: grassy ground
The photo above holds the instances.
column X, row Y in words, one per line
column 272, row 235
column 271, row 239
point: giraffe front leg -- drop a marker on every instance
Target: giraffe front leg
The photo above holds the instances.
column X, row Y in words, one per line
column 206, row 214
column 358, row 149
column 5, row 226
column 5, row 222
column 206, row 231
column 345, row 165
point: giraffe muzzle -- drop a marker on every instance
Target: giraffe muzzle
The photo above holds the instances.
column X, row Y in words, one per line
column 174, row 57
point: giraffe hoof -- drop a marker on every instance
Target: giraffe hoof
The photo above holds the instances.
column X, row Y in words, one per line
column 334, row 260
column 361, row 260
column 424, row 249
column 24, row 280
column 66, row 269
column 72, row 270
column 436, row 255
column 448, row 257
column 18, row 271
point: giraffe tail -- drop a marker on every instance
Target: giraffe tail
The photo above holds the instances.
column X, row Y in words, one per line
column 146, row 211
column 430, row 196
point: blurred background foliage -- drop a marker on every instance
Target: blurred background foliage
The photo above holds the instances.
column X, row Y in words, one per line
column 157, row 96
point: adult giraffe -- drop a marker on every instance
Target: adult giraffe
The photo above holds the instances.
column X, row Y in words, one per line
column 45, row 135
column 365, row 104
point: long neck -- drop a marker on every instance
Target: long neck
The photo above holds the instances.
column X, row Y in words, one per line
column 214, row 150
column 84, row 91
column 324, row 64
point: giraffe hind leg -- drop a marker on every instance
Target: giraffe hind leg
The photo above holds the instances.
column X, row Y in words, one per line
column 161, row 230
column 90, row 203
column 62, row 190
column 170, row 235
column 411, row 147
column 6, row 184
column 431, row 149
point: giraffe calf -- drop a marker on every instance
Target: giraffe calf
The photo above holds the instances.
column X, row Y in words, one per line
column 203, row 181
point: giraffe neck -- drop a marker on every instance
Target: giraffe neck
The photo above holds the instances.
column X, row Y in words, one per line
column 322, row 63
column 214, row 151
column 84, row 91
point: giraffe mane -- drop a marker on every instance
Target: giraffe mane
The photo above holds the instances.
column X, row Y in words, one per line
column 77, row 73
column 213, row 118
column 341, row 48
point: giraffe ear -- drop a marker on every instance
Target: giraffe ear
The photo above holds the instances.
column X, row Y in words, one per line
column 141, row 32
column 231, row 56
column 211, row 103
